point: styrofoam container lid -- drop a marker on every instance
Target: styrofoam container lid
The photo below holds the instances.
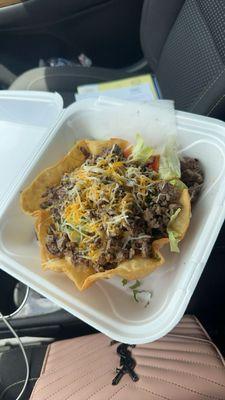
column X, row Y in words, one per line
column 107, row 305
column 25, row 120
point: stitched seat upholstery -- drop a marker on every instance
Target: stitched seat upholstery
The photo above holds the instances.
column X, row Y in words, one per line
column 183, row 365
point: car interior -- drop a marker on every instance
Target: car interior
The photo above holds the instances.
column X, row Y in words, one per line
column 55, row 46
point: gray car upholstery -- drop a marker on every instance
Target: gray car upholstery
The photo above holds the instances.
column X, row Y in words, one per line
column 64, row 79
column 183, row 42
column 190, row 68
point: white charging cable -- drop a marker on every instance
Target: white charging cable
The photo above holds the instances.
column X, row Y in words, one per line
column 20, row 307
column 5, row 320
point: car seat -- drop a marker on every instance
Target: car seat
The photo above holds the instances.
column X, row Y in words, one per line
column 185, row 364
column 183, row 44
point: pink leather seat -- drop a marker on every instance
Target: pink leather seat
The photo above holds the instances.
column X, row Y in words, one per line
column 183, row 365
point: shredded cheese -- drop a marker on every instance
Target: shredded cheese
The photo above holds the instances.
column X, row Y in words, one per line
column 100, row 202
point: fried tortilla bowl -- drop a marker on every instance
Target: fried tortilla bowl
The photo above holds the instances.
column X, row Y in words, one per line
column 80, row 274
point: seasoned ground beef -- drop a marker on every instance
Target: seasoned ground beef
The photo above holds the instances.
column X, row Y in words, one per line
column 51, row 244
column 85, row 152
column 131, row 192
column 192, row 175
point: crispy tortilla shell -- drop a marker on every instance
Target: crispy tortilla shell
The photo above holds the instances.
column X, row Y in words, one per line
column 83, row 276
column 31, row 197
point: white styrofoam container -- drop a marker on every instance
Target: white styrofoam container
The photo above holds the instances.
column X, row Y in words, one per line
column 25, row 121
column 107, row 305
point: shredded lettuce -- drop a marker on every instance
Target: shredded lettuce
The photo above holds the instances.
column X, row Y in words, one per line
column 173, row 241
column 140, row 151
column 173, row 235
column 169, row 167
column 74, row 235
column 136, row 285
column 178, row 184
column 174, row 216
column 71, row 231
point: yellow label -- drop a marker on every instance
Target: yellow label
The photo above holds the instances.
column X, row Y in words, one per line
column 128, row 82
column 141, row 86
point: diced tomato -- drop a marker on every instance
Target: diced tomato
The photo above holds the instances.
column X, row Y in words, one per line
column 127, row 151
column 154, row 164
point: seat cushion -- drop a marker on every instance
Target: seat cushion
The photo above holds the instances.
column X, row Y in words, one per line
column 64, row 79
column 12, row 369
column 183, row 365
